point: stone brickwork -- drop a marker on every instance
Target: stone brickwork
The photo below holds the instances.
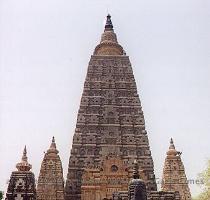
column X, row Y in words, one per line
column 174, row 177
column 110, row 120
column 50, row 182
column 22, row 182
column 101, row 183
column 163, row 195
column 154, row 195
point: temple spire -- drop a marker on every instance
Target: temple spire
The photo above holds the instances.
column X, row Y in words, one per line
column 172, row 150
column 53, row 148
column 24, row 165
column 105, row 115
column 52, row 171
column 136, row 170
column 24, row 157
column 109, row 44
column 109, row 25
column 53, row 144
column 137, row 188
column 172, row 146
column 174, row 177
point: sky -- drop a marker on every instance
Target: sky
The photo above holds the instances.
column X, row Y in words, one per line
column 45, row 47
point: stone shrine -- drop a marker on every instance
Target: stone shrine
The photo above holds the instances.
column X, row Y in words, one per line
column 110, row 158
column 50, row 182
column 22, row 182
column 174, row 177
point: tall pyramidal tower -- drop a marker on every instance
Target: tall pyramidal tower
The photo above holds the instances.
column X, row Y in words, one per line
column 110, row 121
column 174, row 177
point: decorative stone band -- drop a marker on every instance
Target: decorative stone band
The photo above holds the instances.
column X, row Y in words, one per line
column 109, row 48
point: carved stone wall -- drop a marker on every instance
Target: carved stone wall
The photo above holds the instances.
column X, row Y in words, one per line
column 101, row 183
column 21, row 186
column 110, row 122
column 50, row 182
column 163, row 195
column 174, row 177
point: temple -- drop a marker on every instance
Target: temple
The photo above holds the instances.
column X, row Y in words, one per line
column 50, row 182
column 110, row 121
column 22, row 182
column 174, row 177
column 110, row 158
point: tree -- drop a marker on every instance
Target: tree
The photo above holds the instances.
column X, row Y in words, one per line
column 1, row 195
column 205, row 176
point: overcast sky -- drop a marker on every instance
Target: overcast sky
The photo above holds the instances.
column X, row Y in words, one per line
column 45, row 47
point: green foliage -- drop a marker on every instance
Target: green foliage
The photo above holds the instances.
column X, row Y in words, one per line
column 1, row 195
column 205, row 176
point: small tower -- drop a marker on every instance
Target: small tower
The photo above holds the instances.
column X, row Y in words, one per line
column 22, row 182
column 174, row 177
column 137, row 188
column 50, row 182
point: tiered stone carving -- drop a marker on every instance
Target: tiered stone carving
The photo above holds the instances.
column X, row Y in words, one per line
column 50, row 182
column 22, row 182
column 174, row 177
column 101, row 183
column 110, row 120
